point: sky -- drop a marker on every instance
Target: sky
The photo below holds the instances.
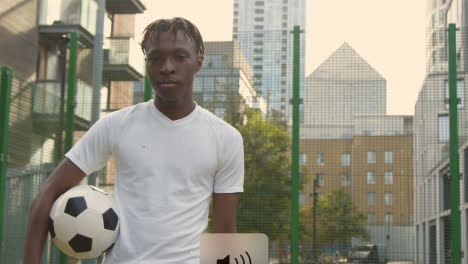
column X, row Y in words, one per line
column 389, row 34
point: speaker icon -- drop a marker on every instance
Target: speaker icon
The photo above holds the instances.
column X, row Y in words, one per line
column 226, row 259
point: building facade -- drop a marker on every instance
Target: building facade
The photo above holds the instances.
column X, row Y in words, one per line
column 35, row 40
column 263, row 30
column 343, row 86
column 224, row 85
column 431, row 143
column 377, row 170
column 349, row 142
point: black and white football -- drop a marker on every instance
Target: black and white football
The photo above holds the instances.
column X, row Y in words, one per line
column 84, row 222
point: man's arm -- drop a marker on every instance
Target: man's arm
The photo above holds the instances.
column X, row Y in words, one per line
column 64, row 177
column 225, row 212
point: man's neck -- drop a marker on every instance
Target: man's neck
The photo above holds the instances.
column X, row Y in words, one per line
column 174, row 110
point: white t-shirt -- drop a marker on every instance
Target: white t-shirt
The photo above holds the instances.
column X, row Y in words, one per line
column 166, row 173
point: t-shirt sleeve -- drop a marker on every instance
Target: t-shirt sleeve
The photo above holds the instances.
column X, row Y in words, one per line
column 230, row 175
column 94, row 149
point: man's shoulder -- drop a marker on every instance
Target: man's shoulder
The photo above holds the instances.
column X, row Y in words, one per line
column 127, row 113
column 220, row 127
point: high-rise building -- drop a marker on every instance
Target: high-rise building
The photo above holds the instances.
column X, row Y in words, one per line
column 431, row 142
column 263, row 30
column 224, row 83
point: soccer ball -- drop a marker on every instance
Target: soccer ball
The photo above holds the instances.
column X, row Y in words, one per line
column 84, row 222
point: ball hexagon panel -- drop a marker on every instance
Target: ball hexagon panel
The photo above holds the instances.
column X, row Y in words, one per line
column 99, row 201
column 111, row 220
column 105, row 240
column 80, row 243
column 64, row 227
column 89, row 223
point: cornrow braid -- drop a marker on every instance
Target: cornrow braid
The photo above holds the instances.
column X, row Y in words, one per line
column 173, row 25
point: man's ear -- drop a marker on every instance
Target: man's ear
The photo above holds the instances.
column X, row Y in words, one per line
column 200, row 59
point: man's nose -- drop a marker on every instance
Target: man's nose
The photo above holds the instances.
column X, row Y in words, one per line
column 168, row 66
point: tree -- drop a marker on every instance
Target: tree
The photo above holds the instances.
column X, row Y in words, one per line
column 265, row 206
column 338, row 220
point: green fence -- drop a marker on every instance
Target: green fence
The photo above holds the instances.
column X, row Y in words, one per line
column 329, row 174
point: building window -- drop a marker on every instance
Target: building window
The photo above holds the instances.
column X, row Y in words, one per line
column 346, row 159
column 371, row 198
column 259, row 11
column 443, row 124
column 320, row 180
column 302, row 198
column 388, row 219
column 320, row 195
column 388, row 177
column 371, row 177
column 302, row 159
column 371, row 158
column 345, row 179
column 460, row 93
column 388, row 198
column 388, row 157
column 371, row 219
column 320, row 159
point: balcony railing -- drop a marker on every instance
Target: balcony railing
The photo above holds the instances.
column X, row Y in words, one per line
column 125, row 6
column 123, row 60
column 46, row 102
column 46, row 97
column 58, row 17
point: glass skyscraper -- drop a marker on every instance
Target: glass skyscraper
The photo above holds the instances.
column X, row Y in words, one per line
column 263, row 29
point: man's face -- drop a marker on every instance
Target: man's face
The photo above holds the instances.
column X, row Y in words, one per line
column 171, row 64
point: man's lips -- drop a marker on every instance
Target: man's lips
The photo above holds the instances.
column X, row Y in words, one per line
column 167, row 83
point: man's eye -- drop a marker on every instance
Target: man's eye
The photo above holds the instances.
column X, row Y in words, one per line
column 180, row 56
column 154, row 59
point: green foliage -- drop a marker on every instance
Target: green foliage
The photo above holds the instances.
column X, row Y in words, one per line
column 264, row 207
column 338, row 220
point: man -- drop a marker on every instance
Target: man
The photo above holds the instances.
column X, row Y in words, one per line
column 171, row 156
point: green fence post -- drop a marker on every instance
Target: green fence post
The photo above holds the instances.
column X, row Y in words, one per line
column 147, row 95
column 454, row 158
column 70, row 105
column 295, row 150
column 5, row 98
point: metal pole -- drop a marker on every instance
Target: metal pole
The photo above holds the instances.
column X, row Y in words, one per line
column 314, row 228
column 295, row 150
column 63, row 83
column 454, row 158
column 97, row 70
column 5, row 98
column 147, row 95
column 70, row 115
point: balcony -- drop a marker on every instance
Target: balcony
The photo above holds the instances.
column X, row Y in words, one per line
column 125, row 6
column 123, row 60
column 46, row 101
column 60, row 17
